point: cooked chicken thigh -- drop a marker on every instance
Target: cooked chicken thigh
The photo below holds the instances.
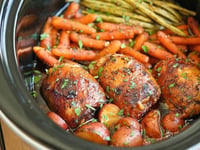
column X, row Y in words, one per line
column 180, row 85
column 72, row 92
column 128, row 82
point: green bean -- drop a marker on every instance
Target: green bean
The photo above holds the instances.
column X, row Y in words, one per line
column 120, row 3
column 161, row 12
column 155, row 17
column 126, row 5
column 113, row 9
column 176, row 7
column 169, row 9
column 115, row 19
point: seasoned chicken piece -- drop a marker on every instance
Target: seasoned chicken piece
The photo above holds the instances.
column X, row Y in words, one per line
column 180, row 85
column 128, row 82
column 72, row 92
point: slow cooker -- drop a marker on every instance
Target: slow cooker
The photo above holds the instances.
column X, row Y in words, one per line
column 18, row 108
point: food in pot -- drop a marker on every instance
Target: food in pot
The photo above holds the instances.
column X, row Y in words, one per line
column 109, row 115
column 128, row 122
column 128, row 82
column 151, row 124
column 172, row 122
column 57, row 119
column 72, row 92
column 100, row 62
column 180, row 86
column 131, row 137
column 94, row 132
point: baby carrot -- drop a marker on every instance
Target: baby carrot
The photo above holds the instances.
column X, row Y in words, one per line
column 140, row 39
column 155, row 51
column 111, row 49
column 45, row 36
column 89, row 18
column 136, row 54
column 185, row 40
column 66, row 24
column 45, row 55
column 71, row 10
column 193, row 24
column 54, row 37
column 76, row 54
column 165, row 41
column 106, row 26
column 86, row 41
column 182, row 27
column 114, row 35
column 64, row 39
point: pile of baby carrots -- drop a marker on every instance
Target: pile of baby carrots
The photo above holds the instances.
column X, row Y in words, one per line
column 87, row 38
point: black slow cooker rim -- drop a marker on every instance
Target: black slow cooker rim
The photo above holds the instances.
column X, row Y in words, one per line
column 18, row 105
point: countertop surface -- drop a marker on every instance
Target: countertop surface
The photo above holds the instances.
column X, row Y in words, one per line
column 12, row 141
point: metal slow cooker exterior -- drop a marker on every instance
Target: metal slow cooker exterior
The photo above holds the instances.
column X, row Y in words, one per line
column 19, row 110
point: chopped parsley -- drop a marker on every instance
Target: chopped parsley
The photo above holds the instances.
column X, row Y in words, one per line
column 177, row 114
column 158, row 69
column 145, row 48
column 133, row 85
column 125, row 80
column 123, row 45
column 105, row 117
column 172, row 85
column 126, row 18
column 80, row 44
column 175, row 65
column 34, row 94
column 89, row 106
column 107, row 89
column 77, row 111
column 97, row 37
column 132, row 133
column 37, row 76
column 99, row 71
column 121, row 112
column 131, row 43
column 91, row 65
column 64, row 83
column 60, row 58
column 34, row 36
column 43, row 36
column 107, row 138
column 99, row 19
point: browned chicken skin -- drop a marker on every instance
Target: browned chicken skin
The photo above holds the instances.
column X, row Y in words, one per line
column 72, row 92
column 128, row 82
column 180, row 85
